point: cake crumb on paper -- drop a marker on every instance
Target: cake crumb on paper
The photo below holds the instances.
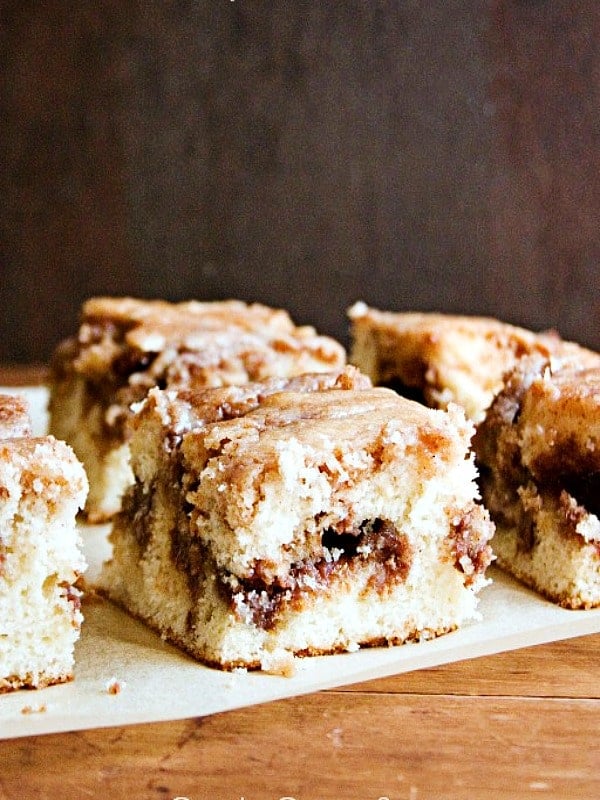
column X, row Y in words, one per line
column 279, row 662
column 114, row 686
column 34, row 709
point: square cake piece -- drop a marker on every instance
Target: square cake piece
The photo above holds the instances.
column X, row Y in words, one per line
column 126, row 346
column 539, row 453
column 42, row 485
column 444, row 358
column 264, row 523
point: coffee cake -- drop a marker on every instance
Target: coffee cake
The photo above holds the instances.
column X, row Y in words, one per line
column 42, row 485
column 126, row 346
column 297, row 518
column 444, row 358
column 539, row 453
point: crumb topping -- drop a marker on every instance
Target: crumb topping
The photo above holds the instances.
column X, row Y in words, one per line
column 441, row 358
column 124, row 347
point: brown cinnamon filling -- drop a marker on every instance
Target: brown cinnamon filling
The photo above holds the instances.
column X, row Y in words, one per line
column 514, row 493
column 573, row 513
column 509, row 504
column 376, row 542
column 137, row 506
column 506, row 507
column 115, row 388
column 586, row 490
column 475, row 550
column 72, row 595
column 187, row 551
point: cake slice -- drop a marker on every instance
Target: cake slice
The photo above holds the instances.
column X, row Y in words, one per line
column 42, row 485
column 125, row 346
column 539, row 453
column 444, row 358
column 297, row 518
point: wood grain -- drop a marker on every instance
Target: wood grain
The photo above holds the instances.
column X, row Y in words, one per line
column 352, row 745
column 438, row 156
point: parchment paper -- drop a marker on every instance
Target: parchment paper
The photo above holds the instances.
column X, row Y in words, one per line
column 158, row 682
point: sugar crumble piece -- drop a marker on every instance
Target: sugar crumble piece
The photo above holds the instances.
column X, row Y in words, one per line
column 114, row 686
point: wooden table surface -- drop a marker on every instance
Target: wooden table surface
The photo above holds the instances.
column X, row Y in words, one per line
column 523, row 724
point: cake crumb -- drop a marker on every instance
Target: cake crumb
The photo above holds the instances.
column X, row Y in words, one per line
column 34, row 709
column 113, row 686
column 279, row 663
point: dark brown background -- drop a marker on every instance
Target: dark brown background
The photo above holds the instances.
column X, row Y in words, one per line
column 439, row 155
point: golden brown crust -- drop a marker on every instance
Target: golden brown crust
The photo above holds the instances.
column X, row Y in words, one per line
column 125, row 346
column 184, row 644
column 14, row 682
column 151, row 324
column 44, row 460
